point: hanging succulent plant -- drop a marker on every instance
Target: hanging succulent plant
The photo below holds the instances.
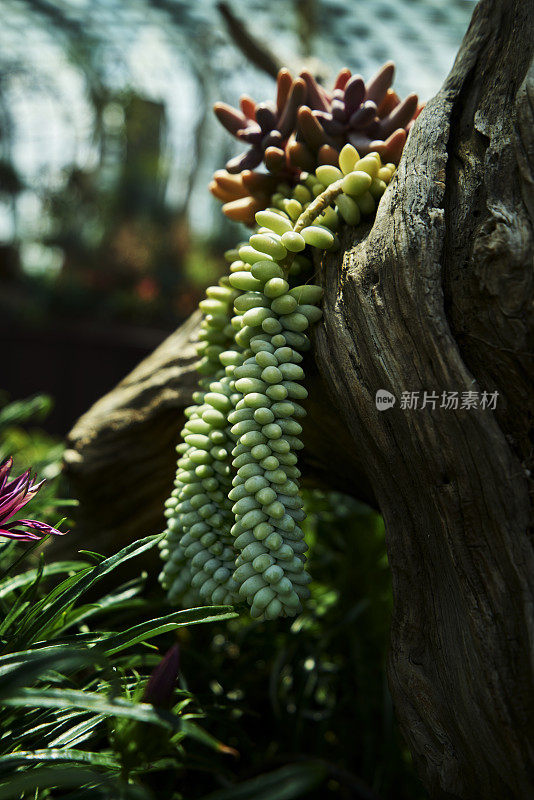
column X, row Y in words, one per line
column 234, row 516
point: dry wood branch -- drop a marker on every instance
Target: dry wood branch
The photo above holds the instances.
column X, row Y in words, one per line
column 255, row 51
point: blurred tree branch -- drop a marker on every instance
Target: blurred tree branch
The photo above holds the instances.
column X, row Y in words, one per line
column 254, row 51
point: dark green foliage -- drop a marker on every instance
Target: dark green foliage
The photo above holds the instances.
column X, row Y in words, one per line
column 301, row 704
column 72, row 684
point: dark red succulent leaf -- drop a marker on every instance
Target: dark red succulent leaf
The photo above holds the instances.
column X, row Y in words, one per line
column 162, row 682
column 342, row 79
column 377, row 87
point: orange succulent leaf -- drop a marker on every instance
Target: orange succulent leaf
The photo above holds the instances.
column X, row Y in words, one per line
column 248, row 107
column 391, row 149
column 244, row 209
column 230, row 183
column 342, row 79
column 283, row 81
column 328, row 155
column 310, row 129
column 389, row 102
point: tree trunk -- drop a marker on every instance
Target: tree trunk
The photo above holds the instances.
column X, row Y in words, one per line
column 434, row 298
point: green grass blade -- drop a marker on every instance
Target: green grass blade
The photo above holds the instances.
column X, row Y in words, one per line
column 78, row 733
column 90, row 701
column 64, row 776
column 33, row 622
column 154, row 627
column 59, row 754
column 123, row 598
column 44, row 622
column 37, row 652
column 21, row 557
column 194, row 731
column 19, row 608
column 44, row 731
column 9, row 585
column 23, row 673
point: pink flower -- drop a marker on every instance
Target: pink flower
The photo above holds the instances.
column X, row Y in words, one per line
column 14, row 495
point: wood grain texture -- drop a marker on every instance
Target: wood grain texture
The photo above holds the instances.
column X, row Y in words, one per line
column 438, row 297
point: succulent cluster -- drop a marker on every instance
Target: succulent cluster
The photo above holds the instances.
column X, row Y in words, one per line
column 234, row 517
column 307, row 127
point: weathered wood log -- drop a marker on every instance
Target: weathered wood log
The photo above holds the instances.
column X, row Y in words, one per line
column 435, row 298
column 438, row 298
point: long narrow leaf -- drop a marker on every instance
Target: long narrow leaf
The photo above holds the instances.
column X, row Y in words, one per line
column 58, row 754
column 23, row 601
column 39, row 612
column 44, row 621
column 194, row 731
column 53, row 724
column 78, row 733
column 91, row 701
column 65, row 776
column 111, row 790
column 154, row 627
column 21, row 557
column 19, row 607
column 9, row 585
column 113, row 601
column 23, row 673
column 42, row 649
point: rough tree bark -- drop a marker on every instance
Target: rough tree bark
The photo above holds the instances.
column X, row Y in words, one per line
column 435, row 297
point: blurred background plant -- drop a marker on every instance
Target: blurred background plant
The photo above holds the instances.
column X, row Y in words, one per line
column 108, row 236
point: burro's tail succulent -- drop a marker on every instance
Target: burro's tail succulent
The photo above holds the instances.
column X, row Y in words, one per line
column 234, row 517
